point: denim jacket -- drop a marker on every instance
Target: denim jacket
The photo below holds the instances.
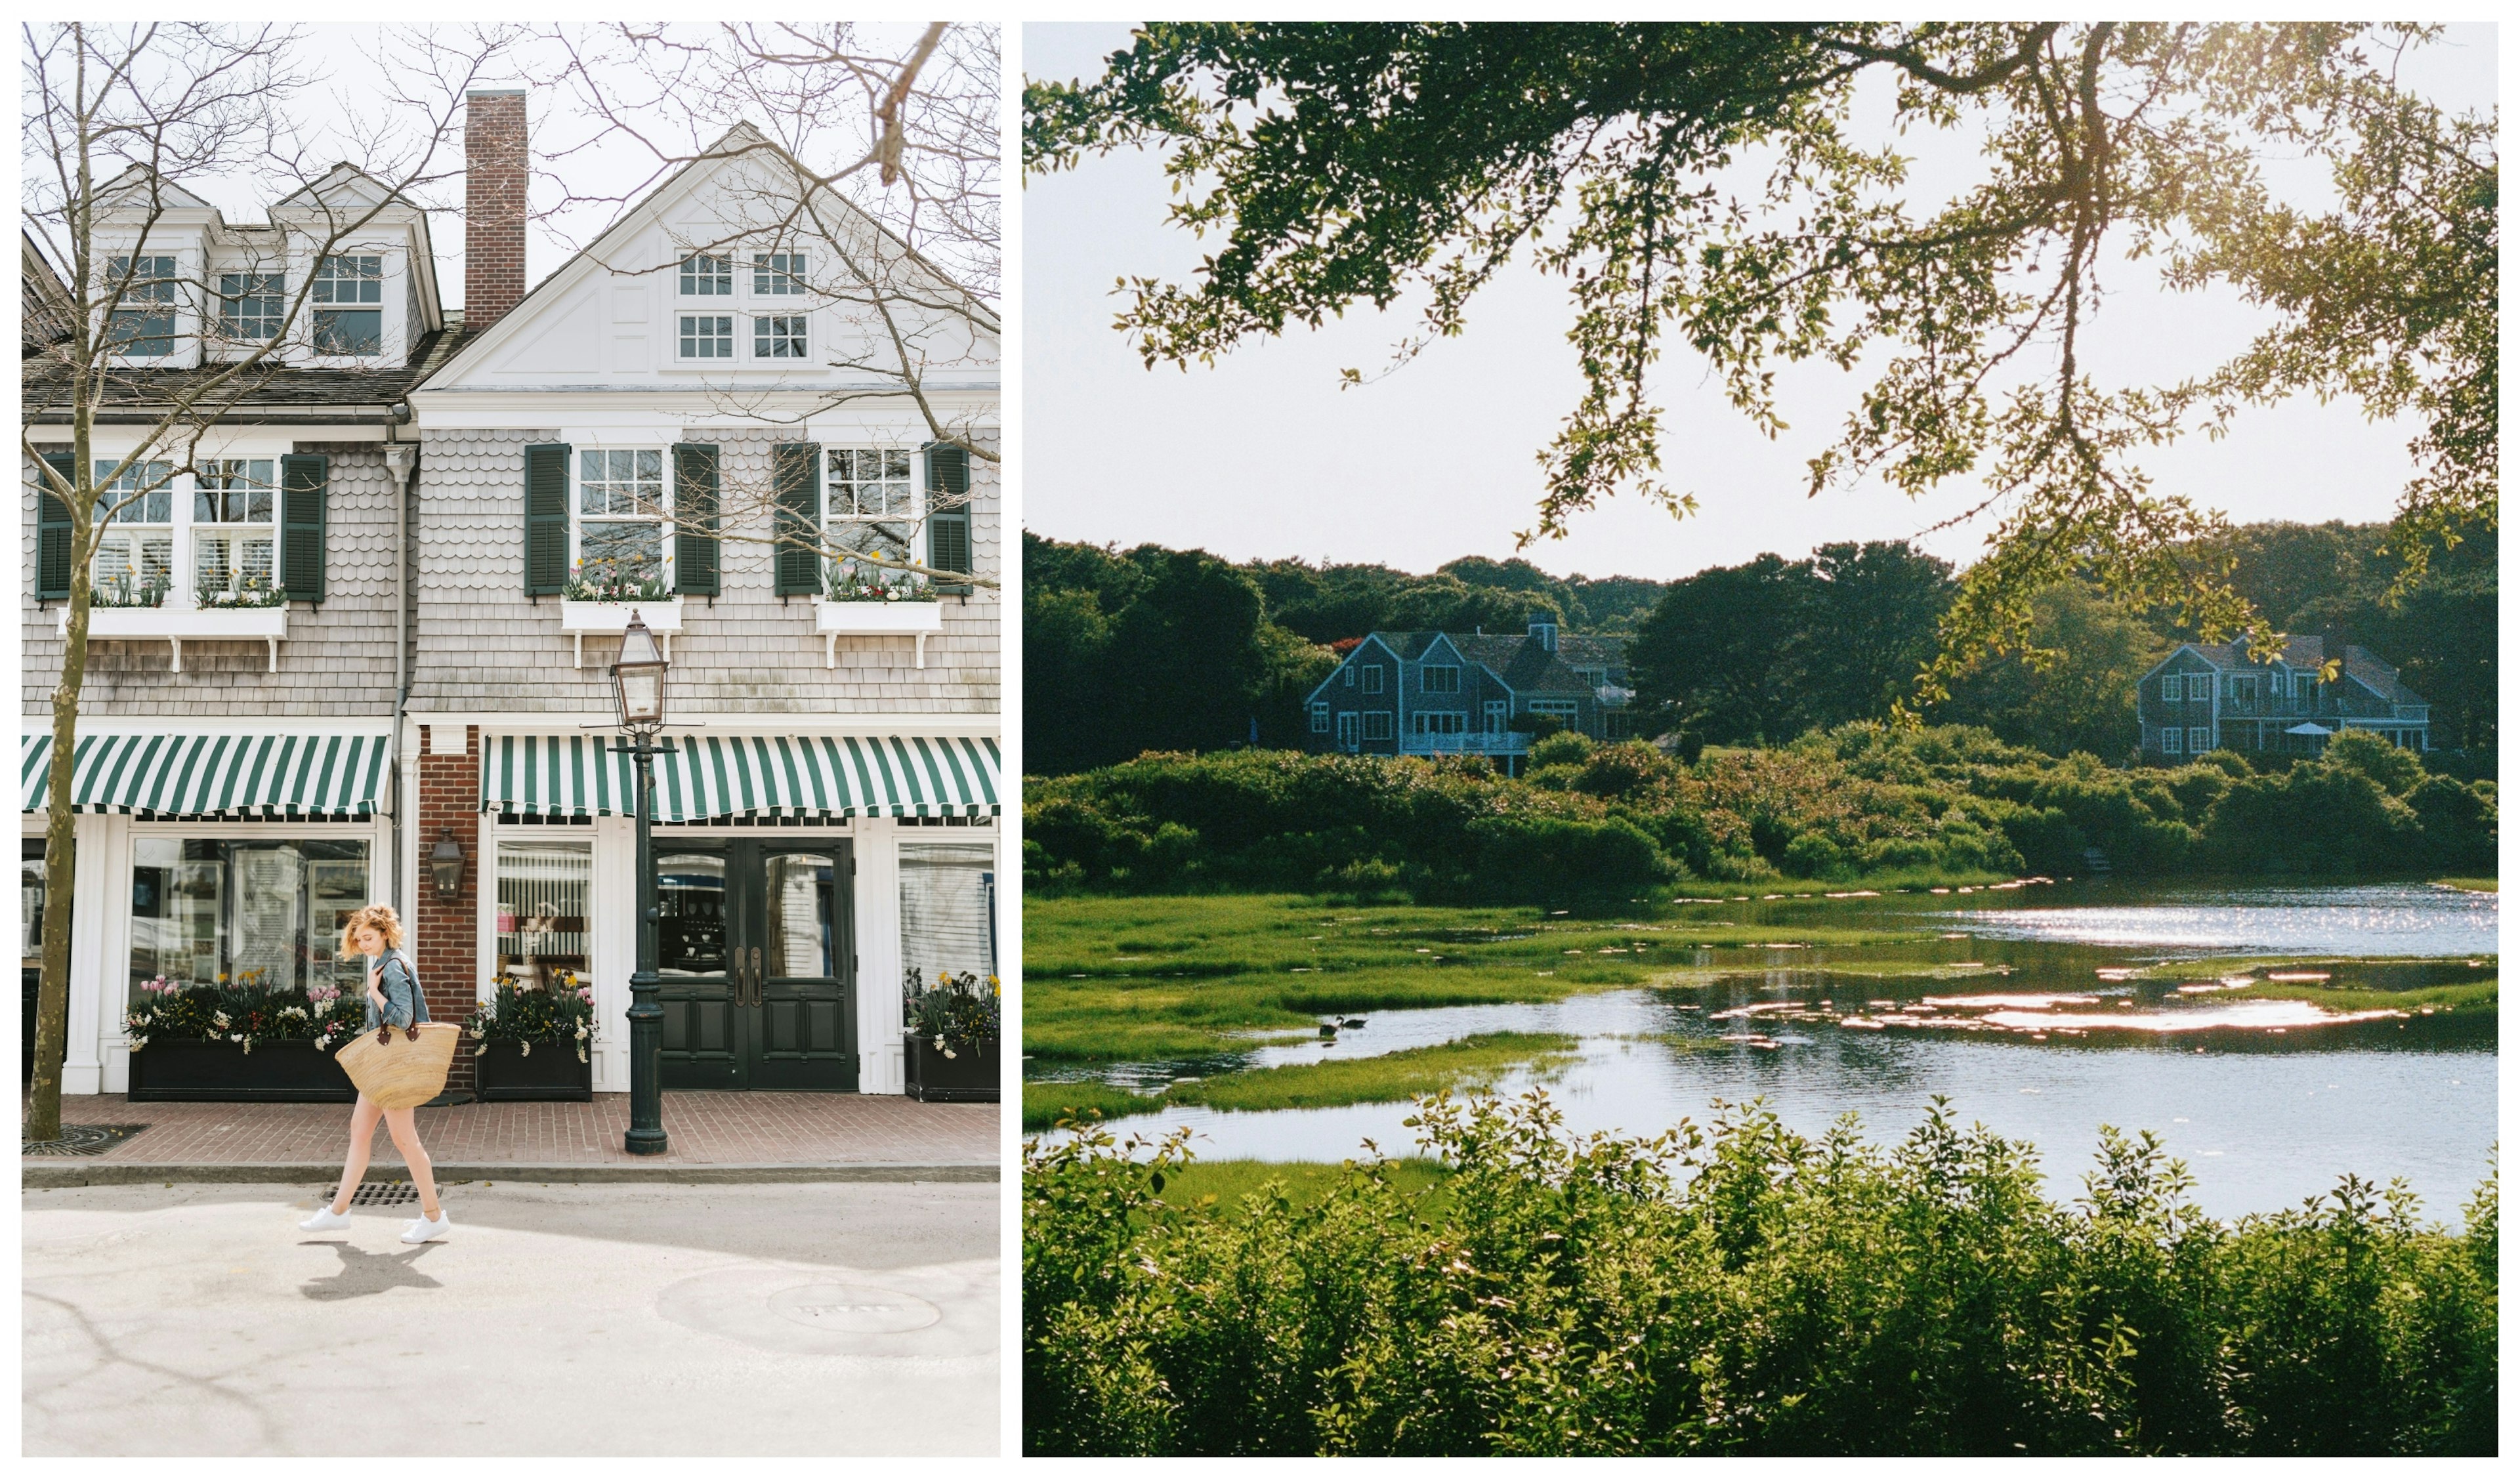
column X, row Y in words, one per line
column 402, row 996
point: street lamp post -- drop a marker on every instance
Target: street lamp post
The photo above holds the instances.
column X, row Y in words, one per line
column 638, row 703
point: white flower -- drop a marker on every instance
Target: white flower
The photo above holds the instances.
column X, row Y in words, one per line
column 581, row 1054
column 525, row 1050
column 478, row 1051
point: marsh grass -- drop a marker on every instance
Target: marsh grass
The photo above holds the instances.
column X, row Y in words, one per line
column 1170, row 976
column 2471, row 885
column 2360, row 983
column 1301, row 1184
column 1044, row 1104
column 1385, row 1078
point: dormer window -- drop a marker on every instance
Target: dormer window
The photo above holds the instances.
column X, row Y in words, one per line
column 250, row 306
column 146, row 323
column 707, row 276
column 344, row 329
column 778, row 274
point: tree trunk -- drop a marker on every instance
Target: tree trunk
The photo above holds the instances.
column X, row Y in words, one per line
column 53, row 997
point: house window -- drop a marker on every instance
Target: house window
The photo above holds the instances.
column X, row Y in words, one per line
column 1321, row 713
column 1347, row 673
column 707, row 276
column 1563, row 710
column 263, row 911
column 542, row 910
column 1444, row 723
column 2200, row 687
column 349, row 280
column 232, row 528
column 948, row 895
column 709, row 336
column 2242, row 688
column 2172, row 686
column 868, row 502
column 779, row 274
column 1378, row 726
column 250, row 306
column 146, row 326
column 135, row 555
column 779, row 337
column 2200, row 741
column 1498, row 712
column 1440, row 680
column 1591, row 677
column 1374, row 683
column 2174, row 741
column 621, row 508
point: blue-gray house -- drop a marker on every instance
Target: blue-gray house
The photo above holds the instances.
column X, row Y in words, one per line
column 1457, row 693
column 2208, row 697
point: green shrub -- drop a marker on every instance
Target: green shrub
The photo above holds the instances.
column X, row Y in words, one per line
column 1745, row 1291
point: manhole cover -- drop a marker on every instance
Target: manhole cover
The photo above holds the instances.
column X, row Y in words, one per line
column 83, row 1140
column 857, row 1308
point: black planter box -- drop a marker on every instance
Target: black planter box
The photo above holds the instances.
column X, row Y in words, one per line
column 969, row 1077
column 551, row 1072
column 279, row 1071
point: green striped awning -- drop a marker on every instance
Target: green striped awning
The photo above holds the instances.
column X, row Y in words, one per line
column 213, row 775
column 702, row 779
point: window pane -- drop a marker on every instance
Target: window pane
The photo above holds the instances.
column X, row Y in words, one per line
column 249, row 305
column 233, row 490
column 632, row 550
column 708, row 275
column 261, row 912
column 542, row 909
column 779, row 337
column 690, row 915
column 801, row 914
column 349, row 280
column 349, row 331
column 888, row 541
column 945, row 924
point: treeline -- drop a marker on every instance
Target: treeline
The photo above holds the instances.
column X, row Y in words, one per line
column 1860, row 801
column 1768, row 1294
column 1155, row 649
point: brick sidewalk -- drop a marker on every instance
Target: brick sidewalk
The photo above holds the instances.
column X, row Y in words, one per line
column 713, row 1136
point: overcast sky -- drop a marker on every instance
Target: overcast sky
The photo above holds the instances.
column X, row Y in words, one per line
column 1262, row 455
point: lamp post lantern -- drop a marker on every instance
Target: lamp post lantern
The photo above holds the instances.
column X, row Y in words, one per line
column 639, row 706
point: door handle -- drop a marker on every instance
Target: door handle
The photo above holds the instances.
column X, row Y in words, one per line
column 756, row 975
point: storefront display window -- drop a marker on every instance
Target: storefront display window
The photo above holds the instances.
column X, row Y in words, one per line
column 946, row 909
column 542, row 910
column 263, row 911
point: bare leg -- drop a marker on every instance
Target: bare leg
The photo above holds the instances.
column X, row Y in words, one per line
column 406, row 1138
column 363, row 1132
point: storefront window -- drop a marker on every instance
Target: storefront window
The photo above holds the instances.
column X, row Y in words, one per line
column 542, row 909
column 946, row 908
column 691, row 913
column 266, row 911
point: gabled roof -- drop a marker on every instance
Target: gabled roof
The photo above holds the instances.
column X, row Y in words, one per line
column 45, row 309
column 2378, row 677
column 1520, row 664
column 2302, row 653
column 735, row 144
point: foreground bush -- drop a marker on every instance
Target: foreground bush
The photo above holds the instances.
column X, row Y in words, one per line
column 1748, row 1291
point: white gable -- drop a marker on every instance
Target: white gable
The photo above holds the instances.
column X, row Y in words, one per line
column 619, row 316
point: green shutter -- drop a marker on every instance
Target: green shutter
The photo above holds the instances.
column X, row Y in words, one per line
column 302, row 486
column 53, row 531
column 695, row 510
column 546, row 519
column 948, row 532
column 798, row 470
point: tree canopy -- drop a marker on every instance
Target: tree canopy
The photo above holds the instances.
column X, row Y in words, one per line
column 1707, row 182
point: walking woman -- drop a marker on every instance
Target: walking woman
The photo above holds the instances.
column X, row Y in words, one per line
column 394, row 999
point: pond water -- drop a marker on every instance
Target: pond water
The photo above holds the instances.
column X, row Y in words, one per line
column 2011, row 1004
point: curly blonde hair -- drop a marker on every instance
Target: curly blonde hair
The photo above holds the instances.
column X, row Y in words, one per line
column 377, row 916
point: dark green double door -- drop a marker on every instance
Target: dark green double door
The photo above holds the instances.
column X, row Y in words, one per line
column 756, row 962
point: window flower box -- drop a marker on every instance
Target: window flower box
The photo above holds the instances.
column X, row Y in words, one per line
column 611, row 618
column 550, row 1071
column 915, row 619
column 178, row 625
column 278, row 1071
column 969, row 1077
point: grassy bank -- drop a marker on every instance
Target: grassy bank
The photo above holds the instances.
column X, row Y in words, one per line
column 1766, row 1294
column 2351, row 985
column 1385, row 1078
column 1302, row 1183
column 1181, row 975
column 2471, row 885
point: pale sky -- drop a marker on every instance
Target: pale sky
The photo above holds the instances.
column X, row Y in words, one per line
column 1264, row 456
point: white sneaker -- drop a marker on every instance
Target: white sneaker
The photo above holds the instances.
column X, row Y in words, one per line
column 325, row 1220
column 421, row 1229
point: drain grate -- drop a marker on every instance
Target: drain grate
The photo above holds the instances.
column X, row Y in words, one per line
column 82, row 1140
column 379, row 1194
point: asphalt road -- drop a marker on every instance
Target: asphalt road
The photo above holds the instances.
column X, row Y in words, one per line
column 810, row 1319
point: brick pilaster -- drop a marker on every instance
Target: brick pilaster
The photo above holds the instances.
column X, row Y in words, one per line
column 444, row 935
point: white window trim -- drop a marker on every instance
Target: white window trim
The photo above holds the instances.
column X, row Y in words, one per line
column 752, row 340
column 664, row 522
column 736, row 332
column 2173, row 740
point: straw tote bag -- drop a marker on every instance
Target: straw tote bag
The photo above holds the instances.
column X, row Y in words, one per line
column 397, row 1068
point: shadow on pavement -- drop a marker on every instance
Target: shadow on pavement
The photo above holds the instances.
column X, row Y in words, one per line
column 364, row 1272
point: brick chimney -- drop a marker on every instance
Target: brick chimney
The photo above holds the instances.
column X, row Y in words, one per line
column 494, row 205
